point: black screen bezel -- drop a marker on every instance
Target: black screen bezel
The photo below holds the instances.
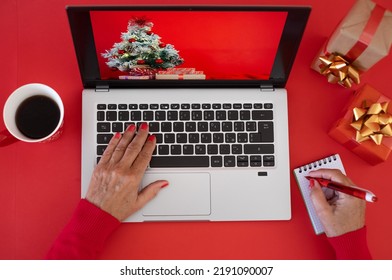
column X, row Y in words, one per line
column 82, row 34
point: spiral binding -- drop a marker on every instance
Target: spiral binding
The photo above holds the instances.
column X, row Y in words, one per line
column 318, row 163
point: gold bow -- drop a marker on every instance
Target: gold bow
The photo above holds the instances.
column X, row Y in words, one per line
column 338, row 70
column 372, row 122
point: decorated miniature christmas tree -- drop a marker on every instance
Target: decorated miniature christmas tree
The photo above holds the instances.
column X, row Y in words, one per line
column 140, row 47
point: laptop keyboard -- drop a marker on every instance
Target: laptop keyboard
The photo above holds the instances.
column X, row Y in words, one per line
column 196, row 135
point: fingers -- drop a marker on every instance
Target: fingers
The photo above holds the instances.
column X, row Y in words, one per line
column 122, row 146
column 150, row 192
column 136, row 145
column 107, row 155
column 332, row 174
column 320, row 203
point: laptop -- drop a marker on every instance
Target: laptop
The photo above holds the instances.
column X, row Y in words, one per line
column 210, row 81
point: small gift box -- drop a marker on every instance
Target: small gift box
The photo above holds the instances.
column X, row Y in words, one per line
column 366, row 126
column 362, row 39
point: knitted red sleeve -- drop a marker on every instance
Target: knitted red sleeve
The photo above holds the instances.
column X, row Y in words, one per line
column 351, row 245
column 85, row 234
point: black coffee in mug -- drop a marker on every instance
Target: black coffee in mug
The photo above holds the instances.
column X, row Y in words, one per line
column 37, row 116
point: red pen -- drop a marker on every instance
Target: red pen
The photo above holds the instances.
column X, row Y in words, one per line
column 354, row 191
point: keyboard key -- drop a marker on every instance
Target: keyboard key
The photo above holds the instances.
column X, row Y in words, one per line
column 111, row 116
column 247, row 106
column 227, row 106
column 159, row 137
column 166, row 127
column 206, row 106
column 154, row 106
column 196, row 106
column 233, row 115
column 230, row 137
column 262, row 115
column 251, row 126
column 258, row 106
column 101, row 149
column 190, row 127
column 160, row 115
column 257, row 149
column 255, row 138
column 148, row 115
column 104, row 138
column 175, row 106
column 244, row 115
column 268, row 105
column 185, row 106
column 266, row 130
column 136, row 116
column 112, row 106
column 185, row 115
column 122, row 106
column 169, row 138
column 255, row 161
column 154, row 126
column 229, row 161
column 206, row 138
column 180, row 161
column 172, row 116
column 215, row 126
column 117, row 127
column 239, row 126
column 209, row 115
column 200, row 149
column 178, row 127
column 269, row 160
column 163, row 149
column 187, row 149
column 175, row 149
column 197, row 115
column 103, row 127
column 194, row 138
column 221, row 115
column 101, row 106
column 224, row 149
column 100, row 116
column 216, row 106
column 133, row 106
column 227, row 126
column 123, row 116
column 164, row 106
column 236, row 149
column 242, row 137
column 217, row 137
column 212, row 149
column 202, row 126
column 143, row 106
column 182, row 138
column 237, row 106
column 242, row 161
column 216, row 161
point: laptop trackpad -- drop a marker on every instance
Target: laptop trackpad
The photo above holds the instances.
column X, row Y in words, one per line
column 188, row 194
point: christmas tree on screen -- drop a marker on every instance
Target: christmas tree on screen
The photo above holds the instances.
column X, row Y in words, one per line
column 140, row 47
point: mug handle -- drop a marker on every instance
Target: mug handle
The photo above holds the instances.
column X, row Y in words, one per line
column 7, row 138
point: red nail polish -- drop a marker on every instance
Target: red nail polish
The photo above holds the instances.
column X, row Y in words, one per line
column 164, row 185
column 151, row 138
column 131, row 128
column 144, row 126
column 117, row 135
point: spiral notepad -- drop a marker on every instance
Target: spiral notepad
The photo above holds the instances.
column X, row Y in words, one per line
column 331, row 162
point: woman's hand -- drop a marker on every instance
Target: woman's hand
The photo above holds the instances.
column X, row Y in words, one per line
column 114, row 186
column 342, row 213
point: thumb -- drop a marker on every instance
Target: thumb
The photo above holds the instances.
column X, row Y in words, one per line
column 320, row 203
column 150, row 192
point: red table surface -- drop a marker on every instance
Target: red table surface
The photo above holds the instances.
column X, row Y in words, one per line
column 40, row 183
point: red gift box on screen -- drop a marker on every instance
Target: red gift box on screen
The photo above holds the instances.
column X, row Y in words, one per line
column 366, row 126
column 361, row 39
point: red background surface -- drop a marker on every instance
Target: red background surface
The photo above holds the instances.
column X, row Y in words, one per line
column 40, row 184
column 233, row 45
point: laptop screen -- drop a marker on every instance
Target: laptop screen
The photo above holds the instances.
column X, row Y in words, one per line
column 186, row 46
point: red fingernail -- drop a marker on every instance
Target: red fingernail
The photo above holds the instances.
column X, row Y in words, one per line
column 311, row 183
column 151, row 138
column 164, row 185
column 117, row 135
column 131, row 128
column 144, row 126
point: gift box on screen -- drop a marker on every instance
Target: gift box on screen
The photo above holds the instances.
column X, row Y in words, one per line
column 366, row 126
column 361, row 39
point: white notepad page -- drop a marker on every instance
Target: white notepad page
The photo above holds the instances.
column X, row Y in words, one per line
column 331, row 162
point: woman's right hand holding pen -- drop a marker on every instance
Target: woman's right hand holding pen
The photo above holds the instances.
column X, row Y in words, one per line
column 341, row 214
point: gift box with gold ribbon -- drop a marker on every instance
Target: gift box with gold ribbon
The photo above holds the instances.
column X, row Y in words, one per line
column 366, row 126
column 361, row 39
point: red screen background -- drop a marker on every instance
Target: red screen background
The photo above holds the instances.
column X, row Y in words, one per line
column 224, row 45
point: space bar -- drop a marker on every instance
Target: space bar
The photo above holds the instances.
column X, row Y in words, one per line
column 182, row 161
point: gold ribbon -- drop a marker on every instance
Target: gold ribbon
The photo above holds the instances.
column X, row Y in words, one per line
column 372, row 122
column 338, row 70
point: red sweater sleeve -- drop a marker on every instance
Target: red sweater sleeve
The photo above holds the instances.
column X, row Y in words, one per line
column 85, row 234
column 351, row 245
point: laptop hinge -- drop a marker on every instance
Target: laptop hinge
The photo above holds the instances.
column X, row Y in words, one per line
column 267, row 88
column 102, row 88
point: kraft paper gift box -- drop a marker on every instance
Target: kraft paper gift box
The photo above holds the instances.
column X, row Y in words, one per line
column 363, row 136
column 361, row 39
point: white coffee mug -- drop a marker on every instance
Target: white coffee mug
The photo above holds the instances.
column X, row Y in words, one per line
column 17, row 100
